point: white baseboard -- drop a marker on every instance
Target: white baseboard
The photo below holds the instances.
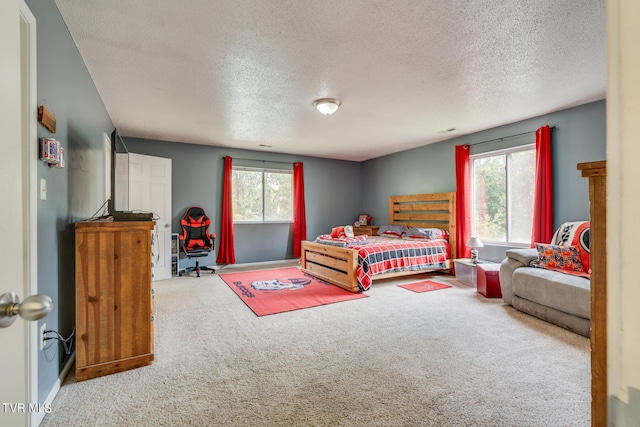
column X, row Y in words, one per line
column 258, row 264
column 39, row 416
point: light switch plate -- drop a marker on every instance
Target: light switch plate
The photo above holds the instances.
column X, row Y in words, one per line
column 43, row 189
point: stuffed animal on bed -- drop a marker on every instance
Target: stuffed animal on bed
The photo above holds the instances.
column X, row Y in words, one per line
column 342, row 231
column 348, row 230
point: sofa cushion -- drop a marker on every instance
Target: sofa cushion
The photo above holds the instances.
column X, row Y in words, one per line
column 563, row 292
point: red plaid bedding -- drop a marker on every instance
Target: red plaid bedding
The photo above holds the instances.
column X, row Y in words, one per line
column 385, row 255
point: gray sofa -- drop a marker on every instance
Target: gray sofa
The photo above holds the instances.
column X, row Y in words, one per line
column 558, row 298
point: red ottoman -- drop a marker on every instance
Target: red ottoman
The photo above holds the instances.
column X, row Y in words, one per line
column 489, row 280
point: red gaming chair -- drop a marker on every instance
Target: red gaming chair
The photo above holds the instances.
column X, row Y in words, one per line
column 195, row 239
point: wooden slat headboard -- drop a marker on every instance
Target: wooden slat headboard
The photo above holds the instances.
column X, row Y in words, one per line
column 436, row 210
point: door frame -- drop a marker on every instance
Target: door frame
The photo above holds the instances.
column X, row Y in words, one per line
column 29, row 138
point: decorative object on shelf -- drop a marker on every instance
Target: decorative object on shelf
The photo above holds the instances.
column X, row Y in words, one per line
column 327, row 105
column 51, row 152
column 46, row 119
column 474, row 243
column 364, row 219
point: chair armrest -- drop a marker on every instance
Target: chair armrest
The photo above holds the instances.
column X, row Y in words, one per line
column 523, row 256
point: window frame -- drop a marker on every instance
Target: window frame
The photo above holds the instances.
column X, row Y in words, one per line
column 263, row 171
column 492, row 153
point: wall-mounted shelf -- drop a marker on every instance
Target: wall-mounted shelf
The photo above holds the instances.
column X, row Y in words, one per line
column 51, row 152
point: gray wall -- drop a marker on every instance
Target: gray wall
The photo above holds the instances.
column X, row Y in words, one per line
column 197, row 180
column 73, row 193
column 580, row 136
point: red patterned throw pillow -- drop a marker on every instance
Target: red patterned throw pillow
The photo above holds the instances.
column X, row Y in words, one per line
column 576, row 234
column 560, row 258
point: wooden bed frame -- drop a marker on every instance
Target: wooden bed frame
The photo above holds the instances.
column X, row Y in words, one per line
column 339, row 265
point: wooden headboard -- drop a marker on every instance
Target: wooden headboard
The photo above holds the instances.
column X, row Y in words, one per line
column 436, row 210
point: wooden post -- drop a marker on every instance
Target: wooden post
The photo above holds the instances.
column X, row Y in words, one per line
column 597, row 174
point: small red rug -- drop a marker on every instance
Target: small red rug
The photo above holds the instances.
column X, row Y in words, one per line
column 425, row 286
column 284, row 289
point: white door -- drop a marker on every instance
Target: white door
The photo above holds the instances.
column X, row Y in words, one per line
column 150, row 191
column 15, row 218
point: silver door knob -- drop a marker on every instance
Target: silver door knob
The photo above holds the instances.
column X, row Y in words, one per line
column 32, row 308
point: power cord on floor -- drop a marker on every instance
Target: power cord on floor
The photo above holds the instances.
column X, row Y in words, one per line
column 64, row 341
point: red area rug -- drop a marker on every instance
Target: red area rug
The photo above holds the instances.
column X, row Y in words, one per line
column 284, row 289
column 425, row 286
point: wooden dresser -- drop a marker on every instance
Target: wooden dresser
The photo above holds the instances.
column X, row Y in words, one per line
column 369, row 230
column 597, row 174
column 114, row 307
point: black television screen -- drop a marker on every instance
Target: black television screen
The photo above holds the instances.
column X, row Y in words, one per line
column 112, row 176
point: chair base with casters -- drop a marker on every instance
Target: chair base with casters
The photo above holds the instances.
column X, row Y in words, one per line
column 196, row 268
column 196, row 241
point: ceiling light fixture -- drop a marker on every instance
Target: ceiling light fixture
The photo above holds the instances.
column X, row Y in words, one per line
column 327, row 105
column 447, row 130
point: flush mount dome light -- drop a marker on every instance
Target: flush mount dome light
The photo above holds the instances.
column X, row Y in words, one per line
column 327, row 105
column 447, row 130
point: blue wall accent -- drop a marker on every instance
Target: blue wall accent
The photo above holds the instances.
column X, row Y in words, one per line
column 580, row 136
column 73, row 193
column 332, row 194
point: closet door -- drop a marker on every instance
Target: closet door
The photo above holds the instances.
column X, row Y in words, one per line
column 143, row 183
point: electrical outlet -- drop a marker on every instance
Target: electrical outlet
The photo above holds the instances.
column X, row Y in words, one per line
column 42, row 329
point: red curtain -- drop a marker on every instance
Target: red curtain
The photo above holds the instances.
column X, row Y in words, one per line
column 226, row 253
column 542, row 231
column 299, row 214
column 463, row 201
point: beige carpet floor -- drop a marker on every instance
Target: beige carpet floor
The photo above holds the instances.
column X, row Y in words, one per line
column 398, row 358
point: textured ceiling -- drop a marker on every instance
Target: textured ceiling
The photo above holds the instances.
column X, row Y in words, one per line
column 244, row 73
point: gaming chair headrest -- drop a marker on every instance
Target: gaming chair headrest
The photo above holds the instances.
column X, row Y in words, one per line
column 195, row 214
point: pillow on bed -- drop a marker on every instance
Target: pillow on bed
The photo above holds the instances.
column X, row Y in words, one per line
column 427, row 233
column 392, row 230
column 560, row 258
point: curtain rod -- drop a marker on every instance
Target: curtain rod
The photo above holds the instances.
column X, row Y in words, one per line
column 263, row 161
column 507, row 137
